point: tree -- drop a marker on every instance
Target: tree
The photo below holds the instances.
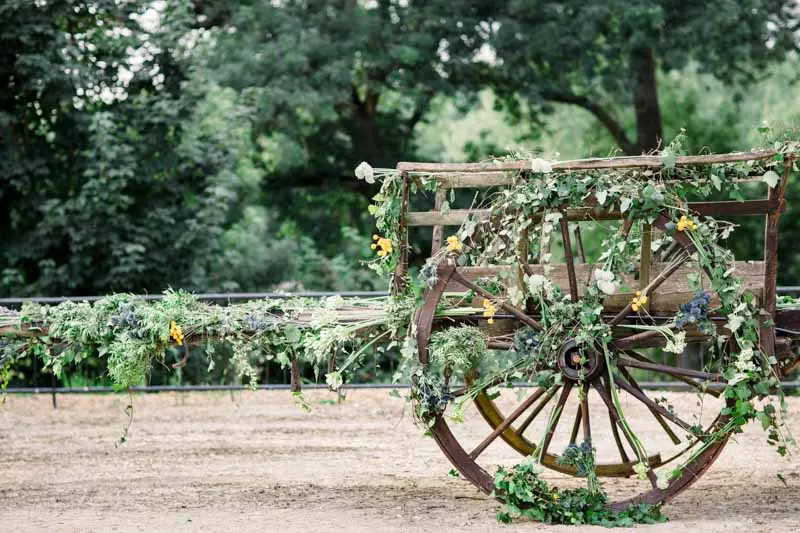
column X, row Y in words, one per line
column 111, row 177
column 336, row 82
column 604, row 56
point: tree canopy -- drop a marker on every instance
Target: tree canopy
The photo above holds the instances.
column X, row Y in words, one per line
column 604, row 56
column 210, row 145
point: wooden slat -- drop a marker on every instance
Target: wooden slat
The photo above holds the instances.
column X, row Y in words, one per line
column 438, row 231
column 456, row 217
column 673, row 292
column 644, row 161
column 733, row 208
column 569, row 260
column 475, row 180
column 478, row 180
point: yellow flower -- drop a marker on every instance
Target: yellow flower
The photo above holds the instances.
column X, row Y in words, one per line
column 489, row 310
column 638, row 301
column 176, row 333
column 453, row 244
column 384, row 246
column 555, row 497
column 685, row 223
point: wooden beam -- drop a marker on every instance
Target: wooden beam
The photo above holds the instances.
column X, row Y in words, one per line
column 456, row 217
column 643, row 161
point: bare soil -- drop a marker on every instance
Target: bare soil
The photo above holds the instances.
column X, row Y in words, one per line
column 256, row 462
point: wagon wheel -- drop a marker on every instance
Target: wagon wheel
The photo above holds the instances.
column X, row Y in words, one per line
column 595, row 375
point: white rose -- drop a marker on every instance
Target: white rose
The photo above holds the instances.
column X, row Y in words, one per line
column 605, row 281
column 608, row 287
column 536, row 283
column 604, row 275
column 364, row 172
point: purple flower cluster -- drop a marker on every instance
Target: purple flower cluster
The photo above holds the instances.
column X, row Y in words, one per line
column 694, row 311
column 126, row 317
column 526, row 341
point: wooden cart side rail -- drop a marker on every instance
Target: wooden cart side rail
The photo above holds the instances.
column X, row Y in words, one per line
column 456, row 217
column 500, row 178
column 751, row 273
column 642, row 161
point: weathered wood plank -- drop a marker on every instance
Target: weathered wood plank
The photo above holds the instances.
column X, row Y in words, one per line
column 644, row 161
column 666, row 299
column 438, row 231
column 456, row 217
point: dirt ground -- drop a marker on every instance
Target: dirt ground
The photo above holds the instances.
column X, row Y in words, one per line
column 256, row 462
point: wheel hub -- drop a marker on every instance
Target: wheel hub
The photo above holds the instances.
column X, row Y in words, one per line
column 578, row 363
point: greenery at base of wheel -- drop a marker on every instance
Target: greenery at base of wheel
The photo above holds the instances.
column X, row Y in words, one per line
column 525, row 494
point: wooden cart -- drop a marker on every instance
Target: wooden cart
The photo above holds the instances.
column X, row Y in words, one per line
column 663, row 282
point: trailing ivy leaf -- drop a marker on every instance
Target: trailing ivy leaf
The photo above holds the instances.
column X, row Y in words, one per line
column 771, row 178
column 292, row 334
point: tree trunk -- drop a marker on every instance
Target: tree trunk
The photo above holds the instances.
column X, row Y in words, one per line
column 645, row 100
column 367, row 134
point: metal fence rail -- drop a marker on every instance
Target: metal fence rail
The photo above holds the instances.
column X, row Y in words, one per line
column 232, row 297
column 216, row 297
column 653, row 385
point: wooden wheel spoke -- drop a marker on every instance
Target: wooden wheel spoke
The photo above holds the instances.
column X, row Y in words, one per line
column 562, row 400
column 500, row 345
column 697, row 385
column 507, row 422
column 653, row 478
column 613, row 419
column 536, row 410
column 633, row 340
column 569, row 258
column 604, row 391
column 575, row 426
column 461, row 391
column 671, row 434
column 585, row 422
column 654, row 406
column 671, row 370
column 486, row 294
